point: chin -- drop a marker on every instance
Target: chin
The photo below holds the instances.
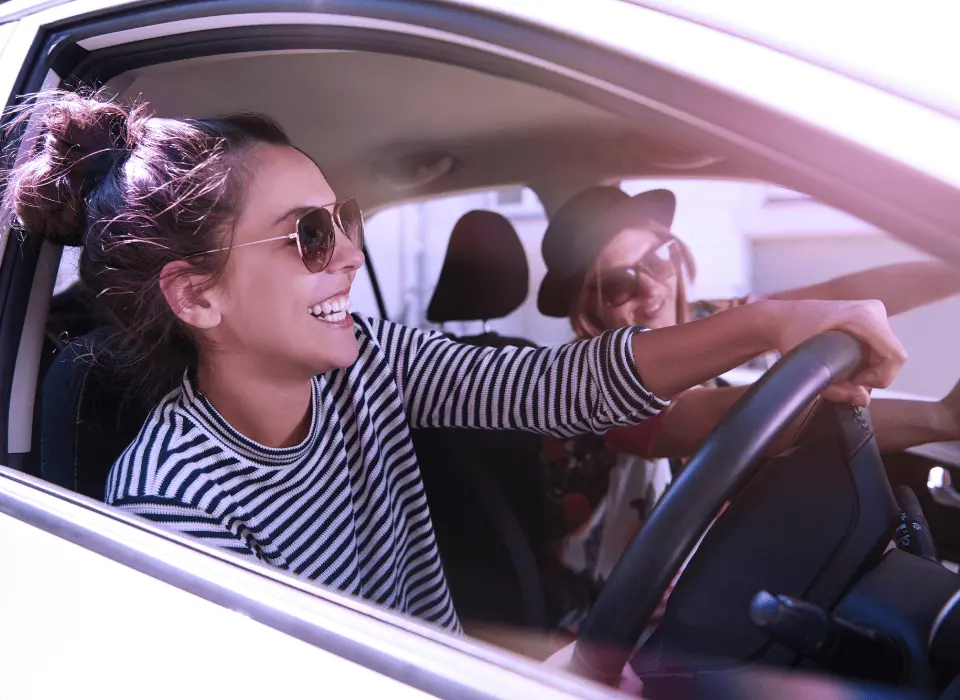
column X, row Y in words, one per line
column 339, row 353
column 661, row 320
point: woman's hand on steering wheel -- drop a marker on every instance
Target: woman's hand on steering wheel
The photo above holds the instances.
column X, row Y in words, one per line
column 867, row 321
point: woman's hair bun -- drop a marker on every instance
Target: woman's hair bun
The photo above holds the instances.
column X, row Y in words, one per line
column 83, row 139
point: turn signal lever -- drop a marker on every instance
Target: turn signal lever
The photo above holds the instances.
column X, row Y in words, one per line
column 812, row 632
column 913, row 534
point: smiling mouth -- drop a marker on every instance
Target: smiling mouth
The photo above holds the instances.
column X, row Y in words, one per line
column 336, row 309
column 651, row 311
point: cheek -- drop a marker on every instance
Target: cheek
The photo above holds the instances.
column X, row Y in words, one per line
column 615, row 317
column 258, row 294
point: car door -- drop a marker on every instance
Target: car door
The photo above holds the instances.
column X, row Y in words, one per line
column 94, row 602
column 67, row 557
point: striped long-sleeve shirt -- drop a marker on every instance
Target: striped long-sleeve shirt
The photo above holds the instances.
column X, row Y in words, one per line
column 346, row 507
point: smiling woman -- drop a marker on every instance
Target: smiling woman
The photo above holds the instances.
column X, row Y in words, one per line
column 283, row 430
column 127, row 244
column 276, row 325
column 614, row 261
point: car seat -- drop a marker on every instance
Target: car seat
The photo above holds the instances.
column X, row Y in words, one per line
column 483, row 487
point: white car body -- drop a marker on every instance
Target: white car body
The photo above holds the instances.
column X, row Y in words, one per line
column 94, row 603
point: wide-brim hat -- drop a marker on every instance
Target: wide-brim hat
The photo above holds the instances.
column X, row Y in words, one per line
column 580, row 230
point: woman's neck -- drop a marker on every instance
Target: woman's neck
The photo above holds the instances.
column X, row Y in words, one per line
column 272, row 411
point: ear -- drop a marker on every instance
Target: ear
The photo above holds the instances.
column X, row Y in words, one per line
column 188, row 297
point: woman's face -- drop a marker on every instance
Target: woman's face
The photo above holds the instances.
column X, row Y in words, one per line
column 654, row 302
column 266, row 295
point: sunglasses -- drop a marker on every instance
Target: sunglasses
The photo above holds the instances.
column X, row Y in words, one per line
column 316, row 233
column 617, row 286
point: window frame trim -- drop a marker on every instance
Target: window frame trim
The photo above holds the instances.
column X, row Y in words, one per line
column 58, row 47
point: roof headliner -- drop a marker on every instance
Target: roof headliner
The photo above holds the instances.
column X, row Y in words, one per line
column 357, row 113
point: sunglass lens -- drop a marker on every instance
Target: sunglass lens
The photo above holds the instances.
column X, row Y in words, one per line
column 659, row 263
column 317, row 237
column 351, row 218
column 618, row 287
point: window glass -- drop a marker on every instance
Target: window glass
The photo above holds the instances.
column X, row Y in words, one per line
column 68, row 272
column 510, row 197
column 747, row 238
column 361, row 295
column 408, row 242
column 754, row 238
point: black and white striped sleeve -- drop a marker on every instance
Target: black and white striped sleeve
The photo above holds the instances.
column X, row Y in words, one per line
column 227, row 533
column 588, row 386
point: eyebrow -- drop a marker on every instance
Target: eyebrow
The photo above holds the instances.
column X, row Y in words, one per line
column 296, row 211
column 300, row 211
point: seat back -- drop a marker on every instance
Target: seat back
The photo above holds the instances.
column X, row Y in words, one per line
column 88, row 418
column 487, row 504
column 484, row 487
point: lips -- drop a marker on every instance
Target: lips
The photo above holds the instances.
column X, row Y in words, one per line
column 651, row 309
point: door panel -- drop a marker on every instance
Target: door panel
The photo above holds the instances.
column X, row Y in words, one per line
column 77, row 624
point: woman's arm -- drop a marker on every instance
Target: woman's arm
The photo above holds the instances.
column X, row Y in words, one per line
column 616, row 378
column 900, row 287
column 898, row 424
column 673, row 359
column 582, row 387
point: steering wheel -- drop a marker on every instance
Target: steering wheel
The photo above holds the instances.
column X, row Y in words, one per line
column 723, row 465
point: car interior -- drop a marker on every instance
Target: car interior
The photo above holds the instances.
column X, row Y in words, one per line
column 812, row 526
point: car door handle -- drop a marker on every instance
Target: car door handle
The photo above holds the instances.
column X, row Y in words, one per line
column 940, row 486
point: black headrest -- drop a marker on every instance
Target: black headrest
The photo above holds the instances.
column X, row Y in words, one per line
column 484, row 274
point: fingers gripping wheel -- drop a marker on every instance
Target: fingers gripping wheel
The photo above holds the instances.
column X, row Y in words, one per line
column 725, row 463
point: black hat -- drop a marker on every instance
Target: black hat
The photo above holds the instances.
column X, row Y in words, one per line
column 579, row 231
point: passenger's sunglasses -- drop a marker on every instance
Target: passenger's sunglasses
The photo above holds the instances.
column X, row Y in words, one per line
column 617, row 286
column 316, row 233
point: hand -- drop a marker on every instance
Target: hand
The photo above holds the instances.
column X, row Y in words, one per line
column 795, row 322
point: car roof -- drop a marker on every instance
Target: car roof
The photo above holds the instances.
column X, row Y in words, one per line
column 909, row 52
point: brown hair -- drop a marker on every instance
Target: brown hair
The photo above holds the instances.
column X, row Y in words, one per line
column 583, row 316
column 136, row 193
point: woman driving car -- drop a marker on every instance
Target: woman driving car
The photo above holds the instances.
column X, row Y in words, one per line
column 613, row 262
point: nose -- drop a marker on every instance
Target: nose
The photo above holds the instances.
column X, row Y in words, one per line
column 347, row 257
column 646, row 283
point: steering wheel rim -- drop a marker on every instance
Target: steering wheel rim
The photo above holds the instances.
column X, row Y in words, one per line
column 724, row 464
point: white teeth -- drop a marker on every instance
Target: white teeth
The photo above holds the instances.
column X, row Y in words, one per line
column 334, row 317
column 332, row 309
